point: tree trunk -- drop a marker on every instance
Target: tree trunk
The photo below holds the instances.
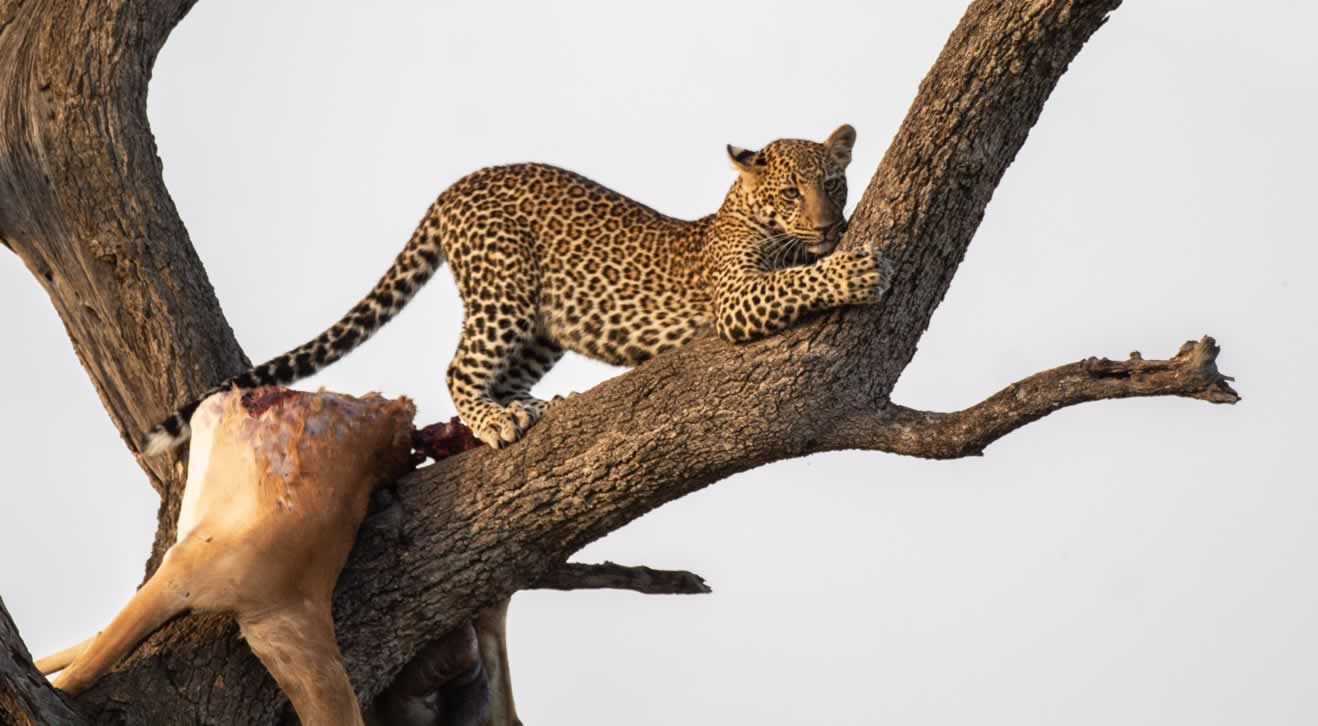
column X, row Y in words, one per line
column 85, row 208
column 83, row 204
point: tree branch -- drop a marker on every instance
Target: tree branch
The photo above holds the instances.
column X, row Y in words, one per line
column 1191, row 373
column 611, row 576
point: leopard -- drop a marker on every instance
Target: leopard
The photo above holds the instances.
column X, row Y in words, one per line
column 546, row 261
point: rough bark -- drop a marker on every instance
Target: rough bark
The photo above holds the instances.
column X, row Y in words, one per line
column 476, row 527
column 25, row 697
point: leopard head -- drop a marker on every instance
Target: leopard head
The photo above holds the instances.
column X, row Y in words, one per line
column 796, row 190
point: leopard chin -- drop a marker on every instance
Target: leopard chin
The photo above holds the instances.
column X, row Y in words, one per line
column 821, row 247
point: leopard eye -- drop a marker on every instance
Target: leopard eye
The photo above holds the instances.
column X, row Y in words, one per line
column 833, row 185
column 791, row 194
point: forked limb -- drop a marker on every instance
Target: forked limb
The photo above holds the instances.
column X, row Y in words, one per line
column 1191, row 373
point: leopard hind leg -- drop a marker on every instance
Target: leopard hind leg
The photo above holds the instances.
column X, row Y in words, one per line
column 499, row 358
column 535, row 358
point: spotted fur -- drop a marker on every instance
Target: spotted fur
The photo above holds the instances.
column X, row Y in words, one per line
column 546, row 260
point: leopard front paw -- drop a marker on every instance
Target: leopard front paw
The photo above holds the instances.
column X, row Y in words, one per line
column 866, row 277
column 504, row 425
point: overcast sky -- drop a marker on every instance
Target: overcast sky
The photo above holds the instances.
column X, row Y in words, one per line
column 1138, row 562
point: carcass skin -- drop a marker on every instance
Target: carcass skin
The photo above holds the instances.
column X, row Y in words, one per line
column 278, row 483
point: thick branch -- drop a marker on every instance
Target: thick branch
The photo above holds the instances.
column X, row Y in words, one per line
column 1191, row 373
column 611, row 576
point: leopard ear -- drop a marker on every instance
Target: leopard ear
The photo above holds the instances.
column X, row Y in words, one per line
column 748, row 162
column 839, row 143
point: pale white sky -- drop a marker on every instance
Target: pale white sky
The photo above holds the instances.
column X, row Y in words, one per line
column 1133, row 562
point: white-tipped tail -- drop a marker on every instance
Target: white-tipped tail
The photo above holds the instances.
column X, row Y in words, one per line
column 160, row 440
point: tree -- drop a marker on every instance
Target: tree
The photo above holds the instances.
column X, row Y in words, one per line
column 86, row 210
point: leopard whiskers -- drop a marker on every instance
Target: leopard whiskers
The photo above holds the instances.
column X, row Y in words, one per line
column 786, row 251
column 778, row 249
column 769, row 245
